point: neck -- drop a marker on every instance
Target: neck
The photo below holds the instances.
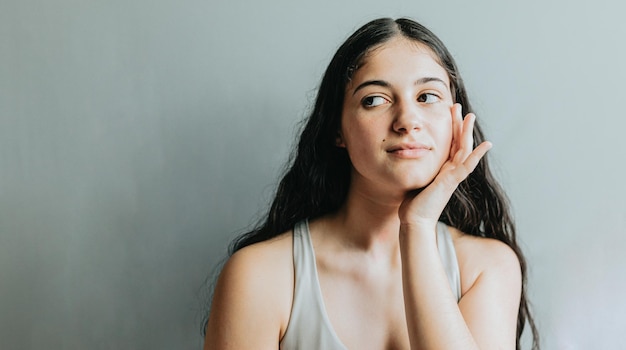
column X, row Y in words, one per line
column 369, row 220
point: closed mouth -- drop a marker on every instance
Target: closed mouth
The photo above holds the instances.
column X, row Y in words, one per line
column 408, row 147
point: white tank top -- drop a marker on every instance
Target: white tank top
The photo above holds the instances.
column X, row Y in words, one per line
column 309, row 326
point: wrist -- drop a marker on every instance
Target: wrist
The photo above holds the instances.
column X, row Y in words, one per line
column 418, row 226
column 420, row 231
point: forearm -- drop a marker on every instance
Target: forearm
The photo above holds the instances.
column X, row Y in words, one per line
column 434, row 320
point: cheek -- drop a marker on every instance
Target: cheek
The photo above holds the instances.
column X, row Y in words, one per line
column 443, row 135
column 360, row 135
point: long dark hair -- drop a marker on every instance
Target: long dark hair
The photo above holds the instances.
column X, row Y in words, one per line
column 318, row 177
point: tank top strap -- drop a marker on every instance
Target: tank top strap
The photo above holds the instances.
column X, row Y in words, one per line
column 309, row 326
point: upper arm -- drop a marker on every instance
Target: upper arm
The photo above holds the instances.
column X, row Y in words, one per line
column 490, row 306
column 249, row 302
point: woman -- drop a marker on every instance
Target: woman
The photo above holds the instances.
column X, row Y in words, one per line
column 388, row 230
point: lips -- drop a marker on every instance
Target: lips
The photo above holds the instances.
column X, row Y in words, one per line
column 409, row 150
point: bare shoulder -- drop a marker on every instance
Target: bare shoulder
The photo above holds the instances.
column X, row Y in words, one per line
column 262, row 257
column 264, row 269
column 491, row 286
column 485, row 257
column 253, row 296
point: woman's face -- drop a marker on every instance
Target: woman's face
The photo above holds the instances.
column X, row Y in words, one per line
column 397, row 120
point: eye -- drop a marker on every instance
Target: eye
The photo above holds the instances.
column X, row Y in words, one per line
column 373, row 101
column 428, row 98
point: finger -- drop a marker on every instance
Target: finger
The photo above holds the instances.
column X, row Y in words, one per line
column 466, row 142
column 477, row 154
column 468, row 132
column 457, row 126
column 462, row 170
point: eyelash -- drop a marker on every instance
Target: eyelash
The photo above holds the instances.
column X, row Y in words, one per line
column 428, row 94
column 367, row 101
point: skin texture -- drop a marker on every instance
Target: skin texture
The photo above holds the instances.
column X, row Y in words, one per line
column 377, row 258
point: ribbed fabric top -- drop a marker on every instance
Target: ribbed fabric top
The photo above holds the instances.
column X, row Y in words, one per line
column 309, row 327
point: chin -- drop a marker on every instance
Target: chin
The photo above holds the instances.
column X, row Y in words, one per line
column 416, row 184
column 415, row 178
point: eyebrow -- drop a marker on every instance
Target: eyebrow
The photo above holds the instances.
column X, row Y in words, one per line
column 383, row 83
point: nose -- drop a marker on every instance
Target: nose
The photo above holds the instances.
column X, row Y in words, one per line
column 407, row 118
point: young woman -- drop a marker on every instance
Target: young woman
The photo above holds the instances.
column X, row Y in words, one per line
column 388, row 231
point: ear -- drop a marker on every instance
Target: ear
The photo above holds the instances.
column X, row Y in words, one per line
column 339, row 140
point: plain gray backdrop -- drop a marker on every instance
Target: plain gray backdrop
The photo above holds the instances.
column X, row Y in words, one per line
column 137, row 137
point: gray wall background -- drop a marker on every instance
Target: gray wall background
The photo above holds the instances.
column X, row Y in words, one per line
column 138, row 137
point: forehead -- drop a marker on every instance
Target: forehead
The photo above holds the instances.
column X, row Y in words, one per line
column 400, row 57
